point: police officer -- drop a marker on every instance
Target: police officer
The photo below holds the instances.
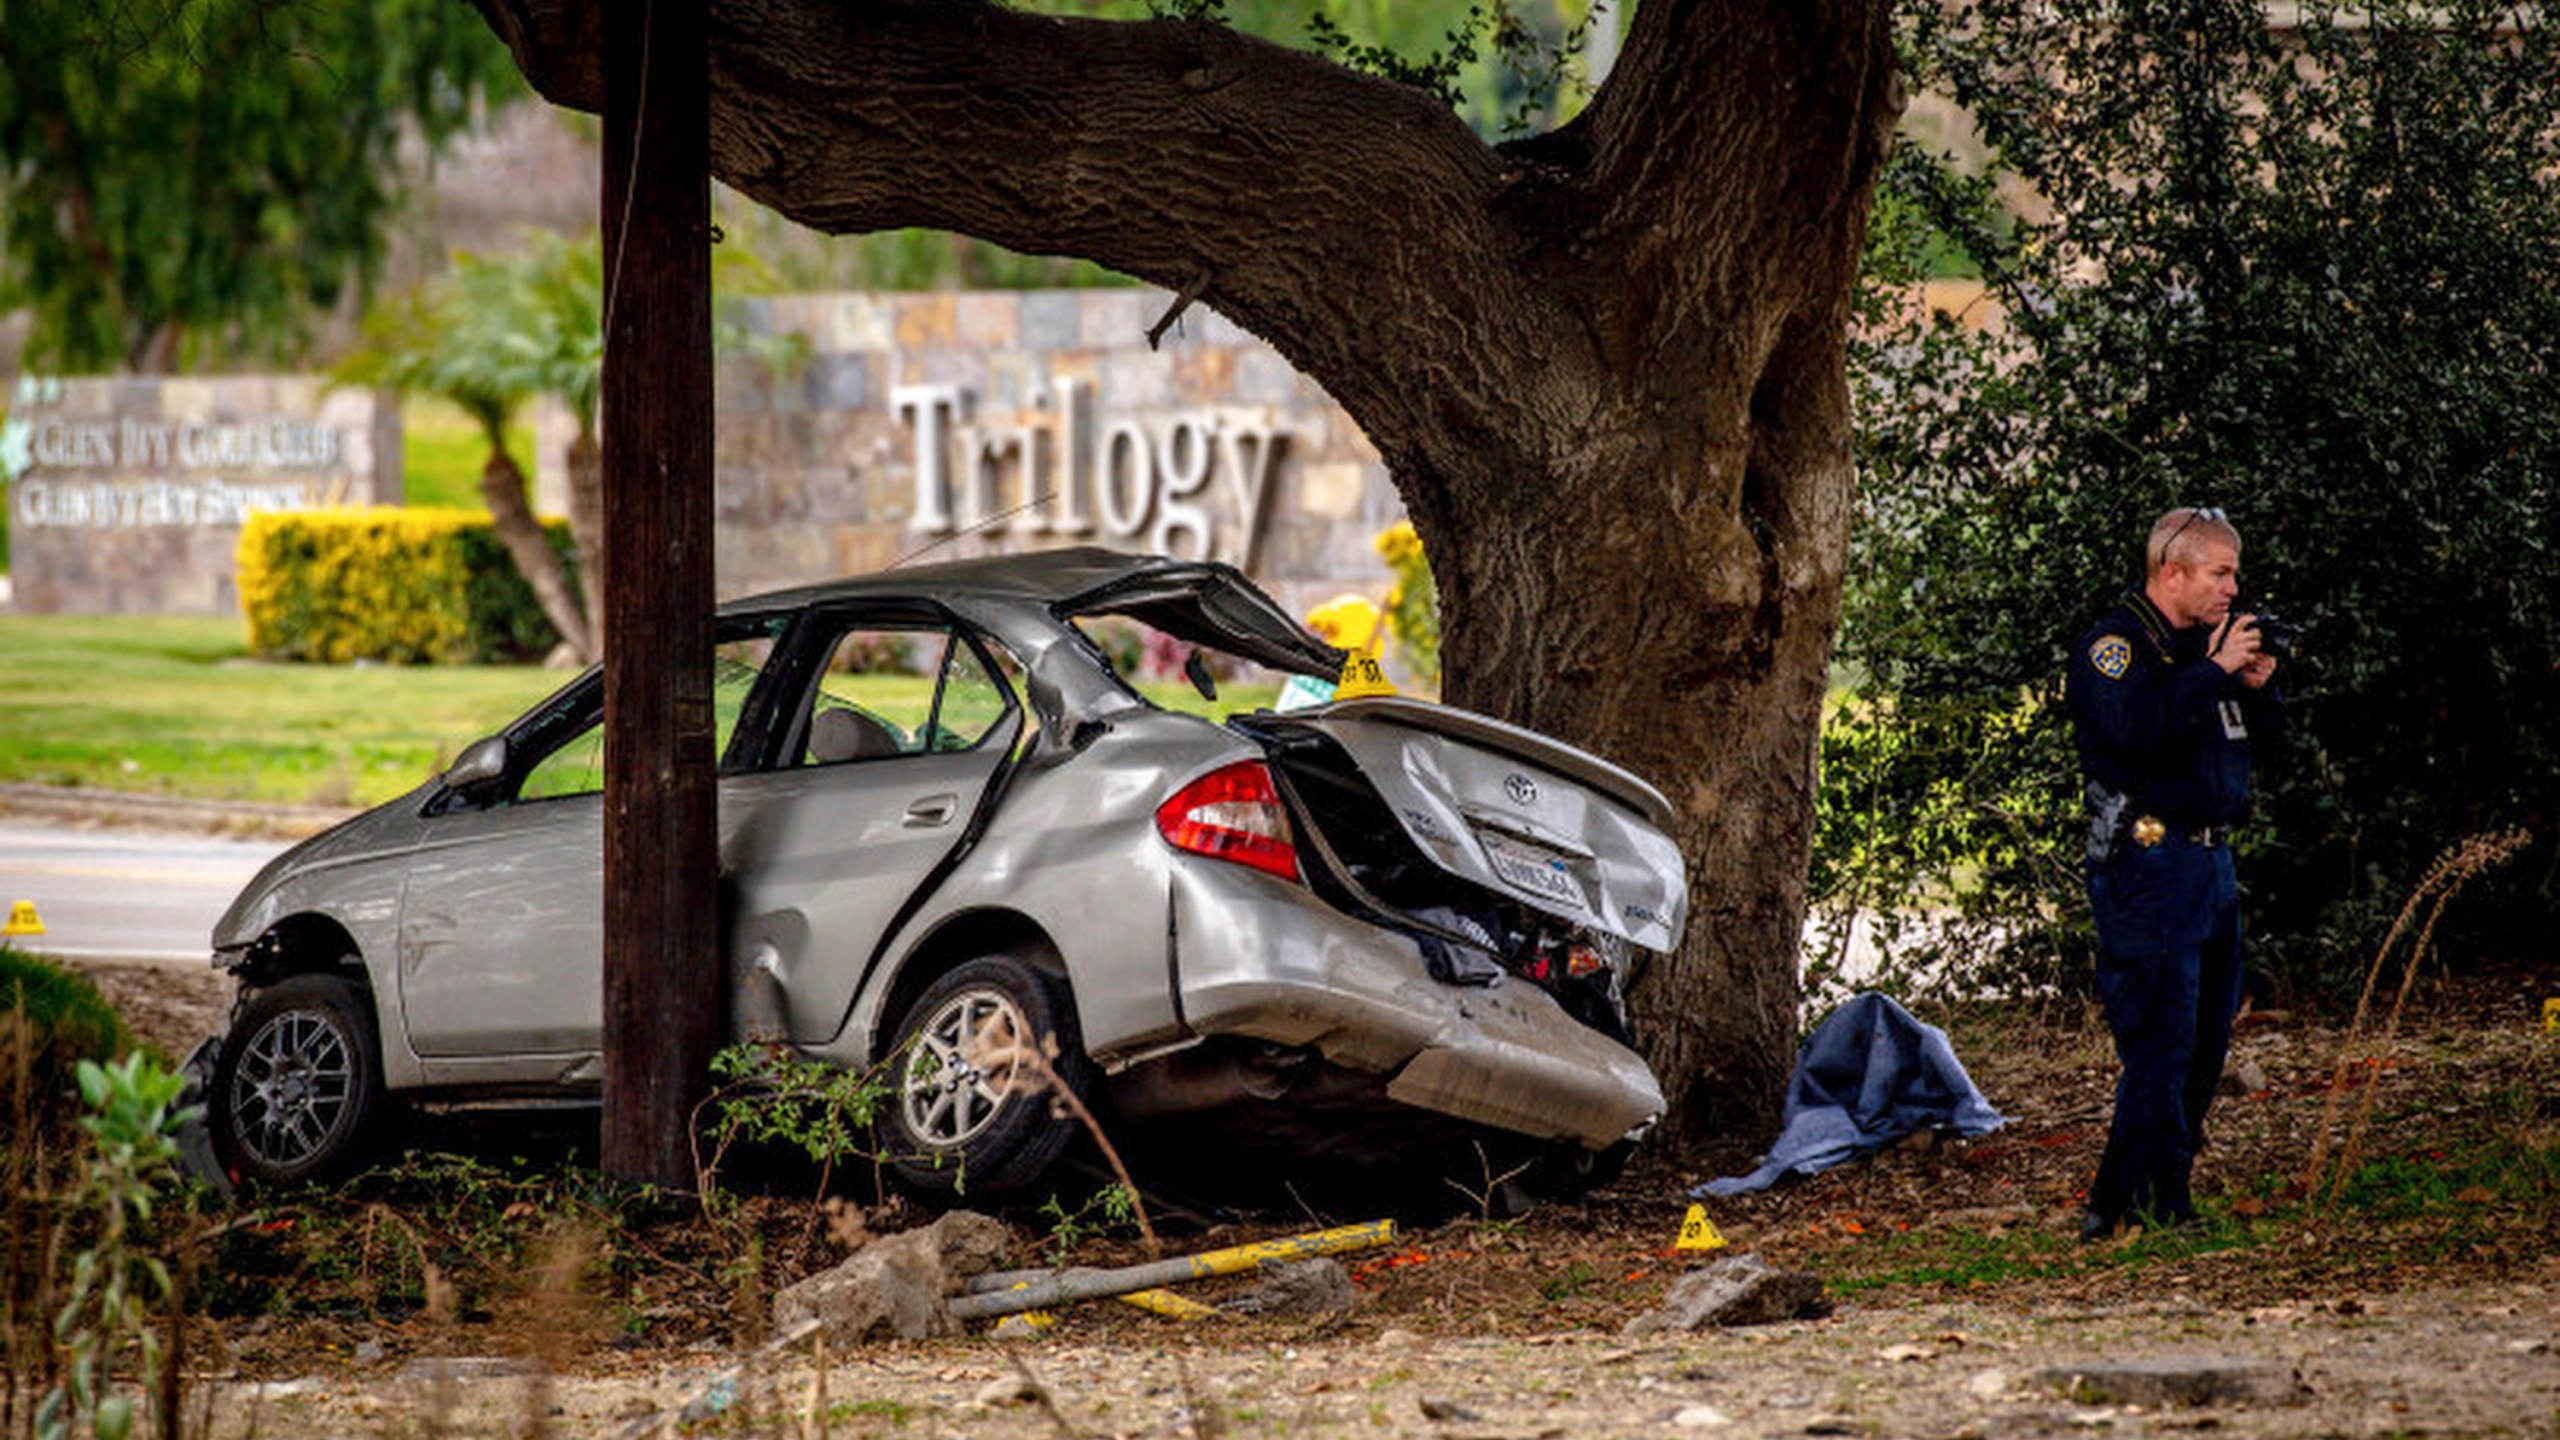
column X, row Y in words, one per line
column 2167, row 694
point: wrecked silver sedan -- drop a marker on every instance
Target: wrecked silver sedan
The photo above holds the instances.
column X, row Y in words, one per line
column 1375, row 932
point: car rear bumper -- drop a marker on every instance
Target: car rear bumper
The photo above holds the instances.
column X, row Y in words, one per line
column 1258, row 958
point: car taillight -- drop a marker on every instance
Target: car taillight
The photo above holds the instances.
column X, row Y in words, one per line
column 1235, row 814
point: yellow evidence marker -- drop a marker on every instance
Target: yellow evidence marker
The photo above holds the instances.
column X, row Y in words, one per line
column 1361, row 676
column 1697, row 1232
column 22, row 920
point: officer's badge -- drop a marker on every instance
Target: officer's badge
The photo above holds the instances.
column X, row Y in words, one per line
column 2111, row 656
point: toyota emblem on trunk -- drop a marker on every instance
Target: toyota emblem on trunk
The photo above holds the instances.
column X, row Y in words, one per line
column 1521, row 789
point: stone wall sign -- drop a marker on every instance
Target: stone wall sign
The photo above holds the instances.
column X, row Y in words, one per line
column 951, row 424
column 126, row 495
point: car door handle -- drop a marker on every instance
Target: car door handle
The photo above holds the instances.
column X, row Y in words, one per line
column 933, row 810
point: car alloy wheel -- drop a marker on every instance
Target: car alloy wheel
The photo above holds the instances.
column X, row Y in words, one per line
column 298, row 1080
column 972, row 1115
column 962, row 1070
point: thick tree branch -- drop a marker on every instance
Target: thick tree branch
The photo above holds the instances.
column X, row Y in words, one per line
column 1732, row 154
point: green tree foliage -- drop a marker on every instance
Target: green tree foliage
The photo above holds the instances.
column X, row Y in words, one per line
column 2310, row 275
column 185, row 181
column 1506, row 66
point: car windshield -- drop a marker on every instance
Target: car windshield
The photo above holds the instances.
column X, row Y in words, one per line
column 1169, row 673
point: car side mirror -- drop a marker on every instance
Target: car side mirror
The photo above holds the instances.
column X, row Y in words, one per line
column 480, row 762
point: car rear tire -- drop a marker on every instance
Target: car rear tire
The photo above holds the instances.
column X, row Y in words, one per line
column 962, row 1120
column 299, row 1082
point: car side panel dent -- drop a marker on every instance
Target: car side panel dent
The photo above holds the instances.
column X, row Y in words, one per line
column 1079, row 899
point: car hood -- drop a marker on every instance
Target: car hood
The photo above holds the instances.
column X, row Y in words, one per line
column 385, row 829
column 1558, row 828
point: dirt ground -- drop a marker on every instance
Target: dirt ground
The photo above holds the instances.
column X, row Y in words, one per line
column 1963, row 1306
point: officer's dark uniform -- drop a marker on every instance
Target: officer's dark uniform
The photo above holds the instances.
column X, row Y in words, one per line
column 2164, row 739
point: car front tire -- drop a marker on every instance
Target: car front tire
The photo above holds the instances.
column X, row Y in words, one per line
column 300, row 1079
column 965, row 1118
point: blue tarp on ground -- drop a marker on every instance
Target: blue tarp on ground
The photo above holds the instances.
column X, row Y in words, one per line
column 1869, row 1075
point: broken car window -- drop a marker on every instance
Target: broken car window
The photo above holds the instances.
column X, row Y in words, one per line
column 901, row 691
column 574, row 762
column 1157, row 667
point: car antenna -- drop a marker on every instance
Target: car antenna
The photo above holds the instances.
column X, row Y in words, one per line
column 998, row 518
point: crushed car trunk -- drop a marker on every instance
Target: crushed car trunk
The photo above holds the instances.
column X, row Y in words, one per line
column 1499, row 854
column 1552, row 828
column 1497, row 851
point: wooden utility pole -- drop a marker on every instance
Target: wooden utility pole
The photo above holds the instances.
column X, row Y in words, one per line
column 661, row 937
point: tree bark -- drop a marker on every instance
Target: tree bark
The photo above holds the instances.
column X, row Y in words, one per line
column 502, row 489
column 586, row 528
column 1604, row 364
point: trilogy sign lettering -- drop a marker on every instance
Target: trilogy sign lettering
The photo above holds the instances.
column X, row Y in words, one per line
column 35, row 453
column 1065, row 475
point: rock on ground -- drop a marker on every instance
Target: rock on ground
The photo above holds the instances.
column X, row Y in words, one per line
column 1736, row 1290
column 898, row 1286
column 1299, row 1287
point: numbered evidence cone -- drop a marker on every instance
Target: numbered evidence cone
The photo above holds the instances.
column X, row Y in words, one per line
column 1357, row 624
column 1697, row 1232
column 1361, row 677
column 22, row 920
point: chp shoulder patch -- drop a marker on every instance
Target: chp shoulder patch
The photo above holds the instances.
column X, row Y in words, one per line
column 2111, row 656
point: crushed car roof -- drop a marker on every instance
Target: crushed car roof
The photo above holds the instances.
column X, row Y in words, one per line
column 1038, row 576
column 1204, row 602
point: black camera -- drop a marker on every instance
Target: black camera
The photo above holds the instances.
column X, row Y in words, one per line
column 2276, row 636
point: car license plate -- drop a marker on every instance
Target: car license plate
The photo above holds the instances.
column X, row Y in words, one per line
column 1531, row 868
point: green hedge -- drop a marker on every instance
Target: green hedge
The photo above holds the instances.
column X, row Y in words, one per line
column 403, row 586
column 50, row 1020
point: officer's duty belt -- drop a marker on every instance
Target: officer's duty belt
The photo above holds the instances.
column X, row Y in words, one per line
column 2150, row 832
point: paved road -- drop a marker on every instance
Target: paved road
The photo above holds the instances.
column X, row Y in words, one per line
column 124, row 894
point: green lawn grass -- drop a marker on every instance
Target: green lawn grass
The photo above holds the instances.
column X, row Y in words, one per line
column 175, row 706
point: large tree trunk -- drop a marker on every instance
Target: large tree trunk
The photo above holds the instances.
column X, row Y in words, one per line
column 1605, row 364
column 502, row 490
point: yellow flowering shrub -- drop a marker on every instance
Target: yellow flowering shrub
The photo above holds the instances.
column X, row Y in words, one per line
column 1413, row 606
column 402, row 586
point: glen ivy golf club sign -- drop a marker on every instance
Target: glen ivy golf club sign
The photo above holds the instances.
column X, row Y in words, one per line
column 126, row 494
column 108, row 472
column 1195, row 484
column 60, row 448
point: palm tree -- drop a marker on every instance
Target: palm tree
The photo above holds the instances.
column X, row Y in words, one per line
column 495, row 333
column 464, row 338
column 559, row 338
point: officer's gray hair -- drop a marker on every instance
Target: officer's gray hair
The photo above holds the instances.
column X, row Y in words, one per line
column 2182, row 530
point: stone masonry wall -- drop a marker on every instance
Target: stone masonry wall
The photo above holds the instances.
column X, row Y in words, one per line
column 950, row 424
column 914, row 425
column 126, row 495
